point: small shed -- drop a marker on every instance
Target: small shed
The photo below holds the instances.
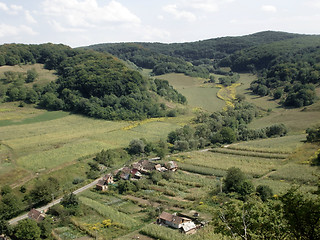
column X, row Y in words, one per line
column 172, row 166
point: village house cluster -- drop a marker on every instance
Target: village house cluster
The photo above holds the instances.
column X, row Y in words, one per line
column 135, row 172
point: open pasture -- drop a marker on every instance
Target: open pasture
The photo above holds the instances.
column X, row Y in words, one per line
column 296, row 120
column 197, row 93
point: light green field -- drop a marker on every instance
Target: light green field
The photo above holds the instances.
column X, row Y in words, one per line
column 198, row 94
column 38, row 141
column 249, row 165
column 286, row 144
column 295, row 119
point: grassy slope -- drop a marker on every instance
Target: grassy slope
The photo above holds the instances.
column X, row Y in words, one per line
column 45, row 76
column 198, row 94
column 296, row 119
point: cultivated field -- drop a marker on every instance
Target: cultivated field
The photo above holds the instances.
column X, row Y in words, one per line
column 35, row 140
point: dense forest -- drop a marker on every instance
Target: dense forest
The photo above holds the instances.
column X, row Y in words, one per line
column 192, row 58
column 90, row 83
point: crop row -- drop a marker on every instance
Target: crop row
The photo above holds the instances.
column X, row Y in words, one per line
column 248, row 153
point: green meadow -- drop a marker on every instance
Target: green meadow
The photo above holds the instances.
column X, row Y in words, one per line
column 198, row 94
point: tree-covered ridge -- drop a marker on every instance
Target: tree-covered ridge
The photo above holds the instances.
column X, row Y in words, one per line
column 192, row 58
column 90, row 83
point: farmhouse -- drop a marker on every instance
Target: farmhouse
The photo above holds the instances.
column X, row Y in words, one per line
column 102, row 184
column 135, row 174
column 174, row 221
column 36, row 215
column 108, row 178
column 146, row 166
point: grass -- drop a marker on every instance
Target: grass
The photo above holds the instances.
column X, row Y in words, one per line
column 243, row 152
column 249, row 165
column 197, row 93
column 286, row 144
column 296, row 173
column 111, row 213
column 46, row 116
column 44, row 76
column 281, row 187
column 68, row 232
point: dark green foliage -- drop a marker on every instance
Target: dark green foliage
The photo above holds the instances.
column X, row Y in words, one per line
column 236, row 181
column 70, row 201
column 5, row 227
column 155, row 176
column 46, row 227
column 229, row 80
column 278, row 93
column 136, row 147
column 165, row 90
column 264, row 192
column 313, row 134
column 27, row 229
column 166, row 58
column 227, row 135
column 77, row 181
column 252, row 219
column 94, row 171
column 23, row 189
column 44, row 191
column 161, row 149
column 276, row 130
column 10, row 206
column 287, row 69
column 126, row 186
column 5, row 190
column 105, row 157
column 32, row 75
column 221, row 128
column 302, row 213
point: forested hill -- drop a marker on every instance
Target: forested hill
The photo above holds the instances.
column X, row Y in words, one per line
column 91, row 83
column 288, row 65
column 176, row 57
